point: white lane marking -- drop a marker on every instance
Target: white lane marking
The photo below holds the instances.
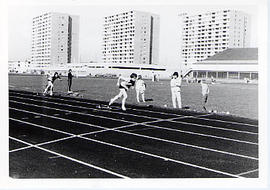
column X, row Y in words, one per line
column 200, row 134
column 111, row 111
column 124, row 126
column 96, row 126
column 37, row 116
column 213, row 127
column 18, row 140
column 61, row 139
column 163, row 158
column 232, row 122
column 53, row 157
column 132, row 150
column 164, row 113
column 48, row 142
column 102, row 110
column 188, row 145
column 55, row 130
column 165, row 128
column 77, row 161
column 154, row 118
column 129, row 149
column 103, row 117
column 248, row 172
column 164, row 140
column 19, row 149
column 59, row 118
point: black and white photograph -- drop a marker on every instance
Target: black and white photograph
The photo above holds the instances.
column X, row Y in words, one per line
column 136, row 90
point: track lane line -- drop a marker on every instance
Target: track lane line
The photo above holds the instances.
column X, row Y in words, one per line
column 39, row 144
column 183, row 144
column 132, row 150
column 131, row 122
column 200, row 134
column 99, row 116
column 164, row 128
column 59, row 118
column 232, row 122
column 55, row 130
column 164, row 140
column 75, row 160
column 213, row 127
column 108, row 111
column 200, row 116
column 162, row 157
column 170, row 119
column 248, row 172
column 114, row 111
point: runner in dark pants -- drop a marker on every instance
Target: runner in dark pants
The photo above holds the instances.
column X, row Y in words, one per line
column 69, row 80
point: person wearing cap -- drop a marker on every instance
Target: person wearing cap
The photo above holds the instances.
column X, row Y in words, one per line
column 176, row 82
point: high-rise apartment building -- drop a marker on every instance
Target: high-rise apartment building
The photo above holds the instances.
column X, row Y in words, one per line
column 55, row 39
column 131, row 38
column 206, row 34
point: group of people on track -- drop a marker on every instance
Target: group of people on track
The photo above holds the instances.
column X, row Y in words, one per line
column 135, row 81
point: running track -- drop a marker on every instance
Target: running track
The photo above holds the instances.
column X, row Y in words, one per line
column 65, row 137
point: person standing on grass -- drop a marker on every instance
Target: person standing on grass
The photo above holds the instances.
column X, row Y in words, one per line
column 124, row 84
column 140, row 88
column 69, row 80
column 176, row 82
column 205, row 92
column 51, row 80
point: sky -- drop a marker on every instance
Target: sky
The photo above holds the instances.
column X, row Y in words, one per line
column 91, row 20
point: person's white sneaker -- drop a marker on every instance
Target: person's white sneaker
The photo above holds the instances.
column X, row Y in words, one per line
column 123, row 108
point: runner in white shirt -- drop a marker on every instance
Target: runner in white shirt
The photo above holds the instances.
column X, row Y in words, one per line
column 140, row 88
column 124, row 84
column 205, row 92
column 176, row 89
column 51, row 80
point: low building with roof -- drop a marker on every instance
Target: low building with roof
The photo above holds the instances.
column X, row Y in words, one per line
column 233, row 63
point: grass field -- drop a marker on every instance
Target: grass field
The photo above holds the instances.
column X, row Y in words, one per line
column 238, row 99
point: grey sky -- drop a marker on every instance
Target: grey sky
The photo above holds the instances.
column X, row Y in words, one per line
column 91, row 20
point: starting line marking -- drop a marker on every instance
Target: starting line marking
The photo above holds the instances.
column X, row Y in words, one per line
column 133, row 150
column 194, row 133
column 74, row 160
column 134, row 133
column 164, row 128
column 84, row 107
column 141, row 110
column 44, row 143
column 129, row 149
column 99, row 116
